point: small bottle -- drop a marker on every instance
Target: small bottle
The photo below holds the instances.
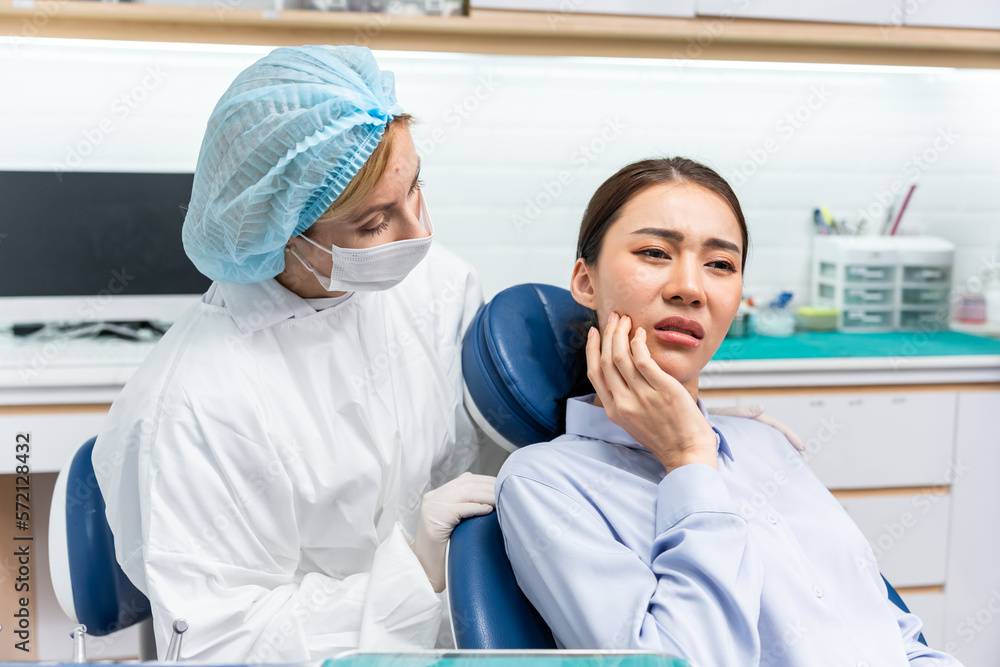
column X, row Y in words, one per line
column 972, row 309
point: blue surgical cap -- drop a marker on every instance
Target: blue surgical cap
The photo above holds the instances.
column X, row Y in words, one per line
column 284, row 141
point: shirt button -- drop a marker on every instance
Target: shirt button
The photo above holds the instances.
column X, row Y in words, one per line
column 818, row 592
column 772, row 518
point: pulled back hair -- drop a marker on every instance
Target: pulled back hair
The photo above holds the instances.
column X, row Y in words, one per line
column 607, row 203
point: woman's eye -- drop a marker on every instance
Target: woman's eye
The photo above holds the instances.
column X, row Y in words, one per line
column 724, row 265
column 417, row 185
column 655, row 253
column 377, row 229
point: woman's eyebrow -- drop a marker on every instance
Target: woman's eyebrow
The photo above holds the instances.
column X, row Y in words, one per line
column 672, row 235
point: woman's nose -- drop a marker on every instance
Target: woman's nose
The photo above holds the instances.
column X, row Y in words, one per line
column 684, row 282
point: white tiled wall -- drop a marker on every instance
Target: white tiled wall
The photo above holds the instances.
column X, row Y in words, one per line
column 496, row 131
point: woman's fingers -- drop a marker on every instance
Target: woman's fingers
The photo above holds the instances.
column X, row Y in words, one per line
column 621, row 354
column 612, row 376
column 657, row 378
column 594, row 372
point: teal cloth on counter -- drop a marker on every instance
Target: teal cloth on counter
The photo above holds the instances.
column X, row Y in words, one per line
column 818, row 345
column 511, row 659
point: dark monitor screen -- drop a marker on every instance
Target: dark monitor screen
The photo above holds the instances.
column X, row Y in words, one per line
column 74, row 233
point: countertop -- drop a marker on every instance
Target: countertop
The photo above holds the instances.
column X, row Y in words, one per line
column 834, row 358
column 76, row 372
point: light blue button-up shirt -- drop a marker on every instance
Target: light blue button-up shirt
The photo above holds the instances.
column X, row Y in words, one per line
column 753, row 563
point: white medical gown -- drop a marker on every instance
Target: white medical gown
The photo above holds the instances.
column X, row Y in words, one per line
column 264, row 467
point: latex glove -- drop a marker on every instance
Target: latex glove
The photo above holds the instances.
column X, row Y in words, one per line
column 757, row 412
column 651, row 405
column 441, row 510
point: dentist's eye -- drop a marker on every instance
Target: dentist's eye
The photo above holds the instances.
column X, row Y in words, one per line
column 377, row 229
column 417, row 185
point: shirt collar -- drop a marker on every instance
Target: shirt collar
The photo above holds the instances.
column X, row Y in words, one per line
column 587, row 420
column 257, row 306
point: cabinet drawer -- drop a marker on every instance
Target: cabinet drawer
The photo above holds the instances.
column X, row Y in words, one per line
column 54, row 437
column 907, row 532
column 859, row 441
column 929, row 607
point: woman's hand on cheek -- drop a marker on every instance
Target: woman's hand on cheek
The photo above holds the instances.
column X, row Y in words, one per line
column 653, row 407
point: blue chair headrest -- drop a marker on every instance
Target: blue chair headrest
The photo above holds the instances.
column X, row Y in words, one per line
column 104, row 598
column 488, row 609
column 520, row 359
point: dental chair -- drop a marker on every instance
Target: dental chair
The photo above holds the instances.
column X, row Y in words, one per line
column 518, row 361
column 89, row 584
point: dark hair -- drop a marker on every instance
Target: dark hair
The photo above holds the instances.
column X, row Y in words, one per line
column 607, row 203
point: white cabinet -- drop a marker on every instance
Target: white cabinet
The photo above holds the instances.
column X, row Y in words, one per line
column 882, row 12
column 929, row 608
column 918, row 470
column 953, row 13
column 907, row 532
column 972, row 608
column 57, row 431
column 871, row 440
column 54, row 435
column 889, row 458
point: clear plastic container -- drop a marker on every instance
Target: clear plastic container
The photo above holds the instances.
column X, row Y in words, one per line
column 871, row 296
column 925, row 296
column 777, row 322
column 926, row 274
column 868, row 273
column 866, row 320
column 923, row 319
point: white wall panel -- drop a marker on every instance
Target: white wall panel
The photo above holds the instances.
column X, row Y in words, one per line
column 495, row 130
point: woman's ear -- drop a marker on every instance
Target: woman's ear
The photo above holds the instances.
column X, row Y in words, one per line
column 581, row 285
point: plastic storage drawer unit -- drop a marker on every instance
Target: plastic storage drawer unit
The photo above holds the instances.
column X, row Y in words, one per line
column 926, row 265
column 881, row 283
column 858, row 277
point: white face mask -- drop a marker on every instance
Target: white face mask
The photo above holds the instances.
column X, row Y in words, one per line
column 372, row 269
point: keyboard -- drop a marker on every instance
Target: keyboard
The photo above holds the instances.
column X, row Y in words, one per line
column 62, row 362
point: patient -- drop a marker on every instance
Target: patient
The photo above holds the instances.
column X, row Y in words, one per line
column 635, row 530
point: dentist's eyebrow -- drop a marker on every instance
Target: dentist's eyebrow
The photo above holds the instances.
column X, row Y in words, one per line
column 677, row 237
column 416, row 177
column 367, row 213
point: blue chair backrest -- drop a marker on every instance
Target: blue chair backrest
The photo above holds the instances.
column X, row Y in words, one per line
column 104, row 598
column 492, row 612
column 519, row 362
column 518, row 359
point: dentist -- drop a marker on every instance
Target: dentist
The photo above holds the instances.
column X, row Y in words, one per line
column 266, row 466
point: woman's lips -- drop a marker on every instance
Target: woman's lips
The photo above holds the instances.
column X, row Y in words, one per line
column 677, row 338
column 689, row 335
